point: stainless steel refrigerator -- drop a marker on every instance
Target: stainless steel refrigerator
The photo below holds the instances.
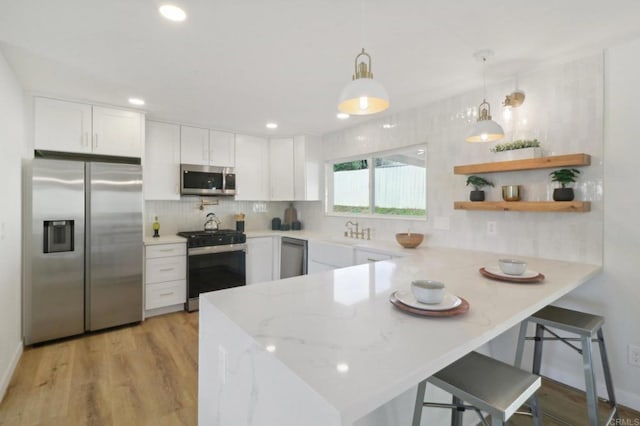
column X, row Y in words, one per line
column 83, row 247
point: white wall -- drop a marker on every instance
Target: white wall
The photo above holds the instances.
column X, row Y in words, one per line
column 11, row 143
column 564, row 109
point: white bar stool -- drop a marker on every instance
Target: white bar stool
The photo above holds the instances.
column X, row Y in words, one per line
column 584, row 325
column 487, row 385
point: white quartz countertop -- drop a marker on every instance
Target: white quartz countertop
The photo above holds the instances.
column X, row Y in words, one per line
column 340, row 340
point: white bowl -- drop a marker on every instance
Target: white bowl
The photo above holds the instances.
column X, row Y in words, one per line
column 428, row 291
column 512, row 266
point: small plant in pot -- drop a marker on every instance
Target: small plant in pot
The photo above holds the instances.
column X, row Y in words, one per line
column 478, row 183
column 564, row 177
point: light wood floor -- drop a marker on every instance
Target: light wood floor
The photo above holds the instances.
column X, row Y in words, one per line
column 137, row 375
column 147, row 375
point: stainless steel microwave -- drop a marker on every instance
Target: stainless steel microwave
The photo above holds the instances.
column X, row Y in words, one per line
column 207, row 180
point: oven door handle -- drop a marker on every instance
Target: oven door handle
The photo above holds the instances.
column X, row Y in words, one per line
column 196, row 251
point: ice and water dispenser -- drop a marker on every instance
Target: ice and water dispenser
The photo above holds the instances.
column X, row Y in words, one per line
column 58, row 236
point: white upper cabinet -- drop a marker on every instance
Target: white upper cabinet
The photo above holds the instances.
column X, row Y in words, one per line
column 162, row 162
column 117, row 132
column 222, row 149
column 252, row 168
column 194, row 145
column 80, row 128
column 307, row 160
column 281, row 169
column 62, row 126
column 207, row 147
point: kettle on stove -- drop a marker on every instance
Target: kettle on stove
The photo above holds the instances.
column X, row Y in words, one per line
column 212, row 222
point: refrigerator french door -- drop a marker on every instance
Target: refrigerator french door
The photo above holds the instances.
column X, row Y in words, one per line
column 83, row 256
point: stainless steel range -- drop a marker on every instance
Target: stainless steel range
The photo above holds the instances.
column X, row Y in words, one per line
column 215, row 260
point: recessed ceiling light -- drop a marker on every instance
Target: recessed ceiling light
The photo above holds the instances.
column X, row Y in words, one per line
column 136, row 101
column 272, row 125
column 173, row 13
column 342, row 115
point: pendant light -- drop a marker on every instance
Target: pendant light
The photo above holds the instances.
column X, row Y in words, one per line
column 363, row 95
column 485, row 129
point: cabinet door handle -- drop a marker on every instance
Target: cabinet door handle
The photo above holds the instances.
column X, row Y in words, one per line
column 167, row 269
column 166, row 250
column 166, row 294
column 372, row 260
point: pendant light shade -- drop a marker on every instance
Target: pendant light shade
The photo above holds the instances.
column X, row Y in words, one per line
column 485, row 129
column 363, row 95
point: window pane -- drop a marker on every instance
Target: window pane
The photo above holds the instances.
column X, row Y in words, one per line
column 400, row 183
column 351, row 187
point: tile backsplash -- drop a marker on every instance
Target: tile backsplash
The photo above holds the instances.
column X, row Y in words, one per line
column 185, row 215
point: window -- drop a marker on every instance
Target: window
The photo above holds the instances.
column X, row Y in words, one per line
column 391, row 183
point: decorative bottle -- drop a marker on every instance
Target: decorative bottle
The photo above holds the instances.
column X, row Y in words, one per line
column 156, row 227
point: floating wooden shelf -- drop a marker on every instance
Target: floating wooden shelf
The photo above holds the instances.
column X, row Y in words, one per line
column 525, row 206
column 571, row 160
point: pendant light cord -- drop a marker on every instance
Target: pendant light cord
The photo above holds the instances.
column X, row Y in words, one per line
column 362, row 23
column 484, row 78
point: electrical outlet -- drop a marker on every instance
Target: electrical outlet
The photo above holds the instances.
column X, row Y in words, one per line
column 634, row 355
column 491, row 228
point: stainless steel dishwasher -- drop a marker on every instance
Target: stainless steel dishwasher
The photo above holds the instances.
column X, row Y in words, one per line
column 293, row 257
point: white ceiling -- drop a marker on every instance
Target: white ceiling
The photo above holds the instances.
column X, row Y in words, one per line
column 236, row 64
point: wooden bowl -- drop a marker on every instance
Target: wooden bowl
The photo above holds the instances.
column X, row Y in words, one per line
column 409, row 240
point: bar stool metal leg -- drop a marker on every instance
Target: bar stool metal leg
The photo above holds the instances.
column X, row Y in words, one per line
column 607, row 371
column 535, row 411
column 590, row 381
column 417, row 410
column 537, row 349
column 456, row 414
column 522, row 337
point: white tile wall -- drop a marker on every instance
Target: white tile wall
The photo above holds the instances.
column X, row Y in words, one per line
column 563, row 109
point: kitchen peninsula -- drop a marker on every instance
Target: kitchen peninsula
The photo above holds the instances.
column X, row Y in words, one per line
column 328, row 349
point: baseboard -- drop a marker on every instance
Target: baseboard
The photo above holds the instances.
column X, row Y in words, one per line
column 164, row 310
column 623, row 397
column 8, row 374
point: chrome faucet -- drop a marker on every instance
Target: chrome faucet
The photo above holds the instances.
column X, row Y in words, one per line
column 351, row 233
column 357, row 234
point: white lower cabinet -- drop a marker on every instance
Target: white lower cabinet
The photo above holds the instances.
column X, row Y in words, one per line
column 165, row 276
column 166, row 294
column 260, row 259
column 325, row 256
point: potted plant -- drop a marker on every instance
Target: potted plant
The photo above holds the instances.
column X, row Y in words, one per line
column 478, row 183
column 564, row 176
column 518, row 149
